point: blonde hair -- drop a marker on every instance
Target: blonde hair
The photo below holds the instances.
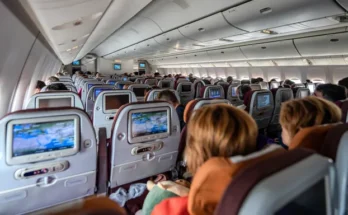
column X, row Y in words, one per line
column 219, row 131
column 307, row 112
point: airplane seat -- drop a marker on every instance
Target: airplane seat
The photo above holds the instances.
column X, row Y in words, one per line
column 238, row 82
column 198, row 84
column 299, row 85
column 214, row 176
column 150, row 81
column 153, row 94
column 274, row 84
column 166, row 84
column 261, row 107
column 92, row 95
column 54, row 99
column 213, row 92
column 225, row 86
column 139, row 90
column 232, row 95
column 139, row 151
column 280, row 95
column 86, row 87
column 49, row 158
column 107, row 105
column 139, row 80
column 301, row 92
column 255, row 87
column 245, row 82
column 186, row 92
column 120, row 84
column 111, row 82
column 264, row 85
column 276, row 186
column 179, row 80
column 343, row 105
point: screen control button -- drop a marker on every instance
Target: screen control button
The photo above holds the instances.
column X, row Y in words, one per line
column 87, row 143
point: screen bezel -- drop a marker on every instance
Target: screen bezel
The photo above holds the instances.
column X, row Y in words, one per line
column 150, row 137
column 37, row 100
column 214, row 97
column 109, row 94
column 118, row 65
column 257, row 101
column 105, row 88
column 45, row 155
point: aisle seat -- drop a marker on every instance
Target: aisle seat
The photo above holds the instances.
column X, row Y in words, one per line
column 166, row 84
column 186, row 92
column 301, row 92
column 92, row 96
column 139, row 90
column 152, row 95
column 34, row 165
column 54, row 99
column 260, row 107
column 213, row 92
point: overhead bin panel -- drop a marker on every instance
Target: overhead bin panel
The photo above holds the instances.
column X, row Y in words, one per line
column 175, row 40
column 281, row 49
column 170, row 14
column 332, row 44
column 230, row 54
column 210, row 28
column 343, row 3
column 197, row 57
column 257, row 15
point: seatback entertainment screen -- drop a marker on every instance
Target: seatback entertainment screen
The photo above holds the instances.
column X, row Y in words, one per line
column 139, row 92
column 186, row 88
column 114, row 102
column 263, row 101
column 149, row 123
column 214, row 93
column 55, row 102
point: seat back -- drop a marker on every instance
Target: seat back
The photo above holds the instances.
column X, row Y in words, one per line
column 280, row 95
column 198, row 84
column 139, row 81
column 186, row 92
column 264, row 85
column 46, row 152
column 301, row 92
column 255, row 87
column 232, row 95
column 106, row 106
column 86, row 87
column 299, row 85
column 246, row 194
column 214, row 92
column 139, row 90
column 92, row 96
column 145, row 140
column 112, row 82
column 274, row 84
column 120, row 84
column 244, row 82
column 153, row 94
column 150, row 81
column 261, row 107
column 54, row 99
column 166, row 84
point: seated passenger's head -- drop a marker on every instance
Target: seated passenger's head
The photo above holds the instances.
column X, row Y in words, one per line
column 147, row 90
column 51, row 79
column 39, row 86
column 343, row 82
column 288, row 83
column 260, row 79
column 56, row 87
column 218, row 131
column 308, row 81
column 254, row 81
column 331, row 92
column 273, row 79
column 244, row 89
column 229, row 79
column 307, row 112
column 169, row 96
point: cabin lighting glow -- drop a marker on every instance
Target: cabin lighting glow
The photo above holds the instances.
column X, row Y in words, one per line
column 269, row 32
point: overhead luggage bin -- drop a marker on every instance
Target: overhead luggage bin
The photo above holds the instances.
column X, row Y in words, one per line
column 264, row 14
column 281, row 49
column 197, row 57
column 210, row 28
column 343, row 3
column 171, row 14
column 175, row 40
column 332, row 44
column 226, row 54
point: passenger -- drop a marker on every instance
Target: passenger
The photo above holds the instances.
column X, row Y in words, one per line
column 344, row 82
column 307, row 112
column 98, row 75
column 191, row 78
column 288, row 83
column 51, row 80
column 229, row 79
column 331, row 92
column 59, row 74
column 170, row 97
column 235, row 134
column 260, row 79
column 308, row 81
column 254, row 81
column 56, row 87
column 273, row 79
column 147, row 90
column 39, row 86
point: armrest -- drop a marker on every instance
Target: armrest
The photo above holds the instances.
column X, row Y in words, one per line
column 102, row 173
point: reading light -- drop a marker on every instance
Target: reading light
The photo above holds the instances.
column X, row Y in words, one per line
column 201, row 29
column 269, row 32
column 75, row 47
column 334, row 40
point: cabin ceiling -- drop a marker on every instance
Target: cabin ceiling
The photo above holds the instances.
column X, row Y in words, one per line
column 156, row 29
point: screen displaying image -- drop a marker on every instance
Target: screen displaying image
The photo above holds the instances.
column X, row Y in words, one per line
column 42, row 137
column 234, row 91
column 139, row 92
column 263, row 101
column 214, row 93
column 117, row 66
column 112, row 82
column 148, row 123
column 99, row 90
column 125, row 79
column 142, row 65
column 59, row 102
column 165, row 84
column 114, row 102
column 76, row 63
column 186, row 88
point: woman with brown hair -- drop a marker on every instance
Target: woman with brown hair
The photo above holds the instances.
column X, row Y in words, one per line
column 307, row 112
column 219, row 131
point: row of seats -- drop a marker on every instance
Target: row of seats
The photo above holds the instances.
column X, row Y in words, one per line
column 85, row 163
